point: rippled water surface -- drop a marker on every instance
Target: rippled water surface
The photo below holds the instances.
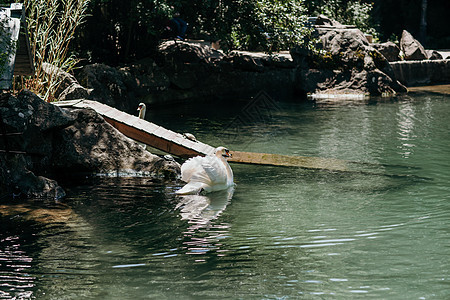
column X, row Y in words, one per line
column 380, row 231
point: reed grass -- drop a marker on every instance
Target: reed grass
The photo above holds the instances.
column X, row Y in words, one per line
column 51, row 26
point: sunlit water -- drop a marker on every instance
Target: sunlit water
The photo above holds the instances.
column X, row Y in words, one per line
column 381, row 232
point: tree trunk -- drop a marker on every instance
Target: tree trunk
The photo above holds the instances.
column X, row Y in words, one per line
column 423, row 23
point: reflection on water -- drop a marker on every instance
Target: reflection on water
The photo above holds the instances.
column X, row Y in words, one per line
column 60, row 242
column 202, row 234
column 379, row 230
column 15, row 280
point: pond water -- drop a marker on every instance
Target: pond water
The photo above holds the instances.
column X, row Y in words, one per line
column 381, row 231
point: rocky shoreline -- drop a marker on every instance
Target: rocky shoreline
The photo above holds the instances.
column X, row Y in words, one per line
column 194, row 71
column 42, row 141
column 189, row 71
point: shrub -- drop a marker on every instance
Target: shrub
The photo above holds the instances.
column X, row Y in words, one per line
column 51, row 26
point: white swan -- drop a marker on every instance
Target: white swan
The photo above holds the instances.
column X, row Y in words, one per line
column 210, row 173
column 142, row 109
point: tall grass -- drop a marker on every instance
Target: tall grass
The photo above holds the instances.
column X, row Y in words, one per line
column 51, row 25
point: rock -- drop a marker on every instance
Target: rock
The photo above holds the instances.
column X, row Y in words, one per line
column 323, row 20
column 148, row 76
column 179, row 52
column 58, row 142
column 69, row 88
column 280, row 61
column 342, row 40
column 109, row 85
column 108, row 149
column 433, row 54
column 186, row 71
column 389, row 50
column 258, row 61
column 186, row 64
column 124, row 87
column 411, row 47
column 245, row 62
column 350, row 65
column 19, row 182
column 36, row 122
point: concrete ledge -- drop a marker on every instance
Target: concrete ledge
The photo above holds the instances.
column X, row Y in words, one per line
column 423, row 72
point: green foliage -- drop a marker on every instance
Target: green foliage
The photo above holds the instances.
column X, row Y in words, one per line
column 284, row 22
column 349, row 12
column 268, row 25
column 125, row 30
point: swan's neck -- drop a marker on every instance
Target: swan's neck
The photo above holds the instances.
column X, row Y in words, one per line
column 142, row 113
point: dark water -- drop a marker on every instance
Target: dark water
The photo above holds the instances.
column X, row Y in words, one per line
column 382, row 232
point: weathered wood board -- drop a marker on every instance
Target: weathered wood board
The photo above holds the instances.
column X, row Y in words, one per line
column 143, row 131
column 289, row 161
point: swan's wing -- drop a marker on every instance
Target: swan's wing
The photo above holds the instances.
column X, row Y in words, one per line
column 215, row 169
column 192, row 170
column 208, row 169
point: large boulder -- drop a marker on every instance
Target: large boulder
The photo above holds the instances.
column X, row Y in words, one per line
column 245, row 62
column 187, row 65
column 109, row 85
column 179, row 52
column 433, row 55
column 68, row 87
column 124, row 87
column 412, row 48
column 92, row 145
column 349, row 65
column 50, row 142
column 389, row 50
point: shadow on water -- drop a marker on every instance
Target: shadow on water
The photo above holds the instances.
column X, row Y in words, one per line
column 43, row 241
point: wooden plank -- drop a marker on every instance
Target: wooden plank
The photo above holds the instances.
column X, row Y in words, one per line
column 438, row 89
column 163, row 144
column 288, row 161
column 68, row 103
column 144, row 131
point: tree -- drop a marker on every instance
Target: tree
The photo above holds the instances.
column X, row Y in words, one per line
column 423, row 22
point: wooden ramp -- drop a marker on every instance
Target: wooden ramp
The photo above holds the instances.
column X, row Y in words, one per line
column 144, row 131
column 178, row 145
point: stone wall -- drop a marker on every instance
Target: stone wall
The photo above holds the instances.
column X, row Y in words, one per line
column 424, row 72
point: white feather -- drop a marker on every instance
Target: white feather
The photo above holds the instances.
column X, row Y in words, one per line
column 210, row 173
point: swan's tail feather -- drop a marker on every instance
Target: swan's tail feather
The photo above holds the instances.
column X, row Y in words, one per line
column 192, row 188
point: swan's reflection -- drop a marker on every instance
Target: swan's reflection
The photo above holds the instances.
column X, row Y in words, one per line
column 203, row 234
